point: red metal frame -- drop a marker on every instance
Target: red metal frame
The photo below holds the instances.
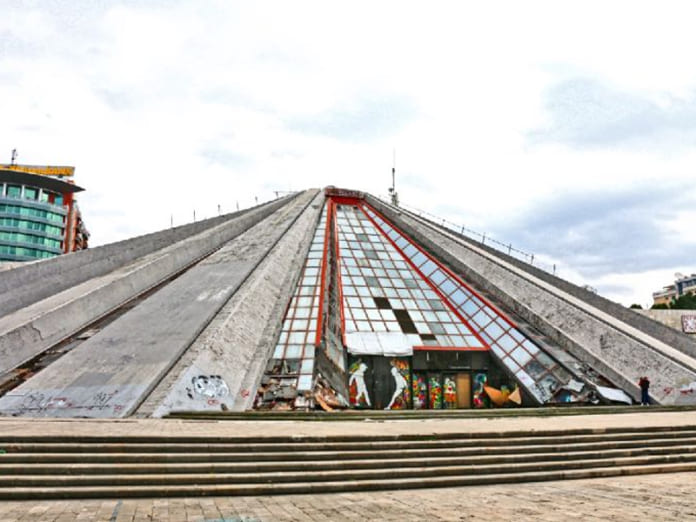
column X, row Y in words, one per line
column 322, row 282
column 339, row 279
column 426, row 279
column 444, row 268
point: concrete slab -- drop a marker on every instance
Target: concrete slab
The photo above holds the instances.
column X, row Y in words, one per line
column 29, row 331
column 223, row 367
column 112, row 372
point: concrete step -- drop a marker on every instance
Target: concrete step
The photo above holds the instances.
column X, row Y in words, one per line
column 216, row 489
column 426, row 470
column 289, row 455
column 116, row 468
column 287, row 439
column 233, row 447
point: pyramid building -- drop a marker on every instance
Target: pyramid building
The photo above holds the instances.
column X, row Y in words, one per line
column 323, row 299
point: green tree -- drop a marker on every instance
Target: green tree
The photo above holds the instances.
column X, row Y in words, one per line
column 684, row 302
column 636, row 306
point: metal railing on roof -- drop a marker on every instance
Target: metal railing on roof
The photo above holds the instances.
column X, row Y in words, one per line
column 480, row 237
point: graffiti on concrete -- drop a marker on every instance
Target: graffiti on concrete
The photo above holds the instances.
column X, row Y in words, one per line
column 356, row 384
column 208, row 387
column 688, row 324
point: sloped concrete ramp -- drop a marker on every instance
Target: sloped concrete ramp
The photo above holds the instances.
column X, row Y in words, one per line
column 111, row 373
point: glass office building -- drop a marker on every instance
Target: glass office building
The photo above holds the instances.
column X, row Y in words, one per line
column 39, row 217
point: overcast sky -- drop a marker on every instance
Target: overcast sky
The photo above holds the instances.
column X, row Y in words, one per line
column 565, row 128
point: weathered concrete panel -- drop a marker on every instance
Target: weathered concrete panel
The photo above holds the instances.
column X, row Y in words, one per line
column 28, row 283
column 224, row 366
column 111, row 373
column 644, row 322
column 29, row 331
column 615, row 348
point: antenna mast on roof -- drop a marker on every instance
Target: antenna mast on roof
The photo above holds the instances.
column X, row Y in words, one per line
column 392, row 189
column 14, row 156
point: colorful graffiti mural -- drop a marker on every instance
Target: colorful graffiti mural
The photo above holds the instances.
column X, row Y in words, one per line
column 420, row 392
column 435, row 392
column 359, row 397
column 400, row 371
column 449, row 393
column 480, row 398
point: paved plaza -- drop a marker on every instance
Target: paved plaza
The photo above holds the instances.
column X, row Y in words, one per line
column 647, row 497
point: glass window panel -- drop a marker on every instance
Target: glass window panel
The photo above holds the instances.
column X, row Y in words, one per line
column 279, row 352
column 451, row 329
column 494, row 330
column 363, row 326
column 416, row 315
column 379, row 326
column 436, row 328
column 512, row 365
column 422, row 328
column 507, row 342
column 307, row 366
column 437, row 277
column 472, row 341
column 429, row 316
column 302, row 313
column 293, row 351
column 458, row 297
column 437, row 304
column 364, row 291
column 428, row 267
column 530, row 346
column 388, row 315
column 447, row 287
column 374, row 315
column 444, row 317
column 486, row 338
column 521, row 356
column 304, row 383
column 300, row 324
column 419, row 258
column 496, row 350
column 481, row 319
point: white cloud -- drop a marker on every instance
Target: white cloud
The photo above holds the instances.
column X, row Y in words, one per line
column 167, row 107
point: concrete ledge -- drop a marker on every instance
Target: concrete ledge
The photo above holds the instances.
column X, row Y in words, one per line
column 28, row 283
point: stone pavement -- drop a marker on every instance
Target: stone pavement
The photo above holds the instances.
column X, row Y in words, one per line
column 669, row 497
column 254, row 428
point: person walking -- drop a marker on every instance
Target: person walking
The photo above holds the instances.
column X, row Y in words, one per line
column 644, row 384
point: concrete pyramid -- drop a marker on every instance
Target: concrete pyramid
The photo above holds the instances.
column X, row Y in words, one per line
column 329, row 299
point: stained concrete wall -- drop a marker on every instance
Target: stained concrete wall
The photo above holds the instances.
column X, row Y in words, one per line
column 669, row 318
column 30, row 282
column 31, row 330
column 224, row 366
column 613, row 347
column 111, row 373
